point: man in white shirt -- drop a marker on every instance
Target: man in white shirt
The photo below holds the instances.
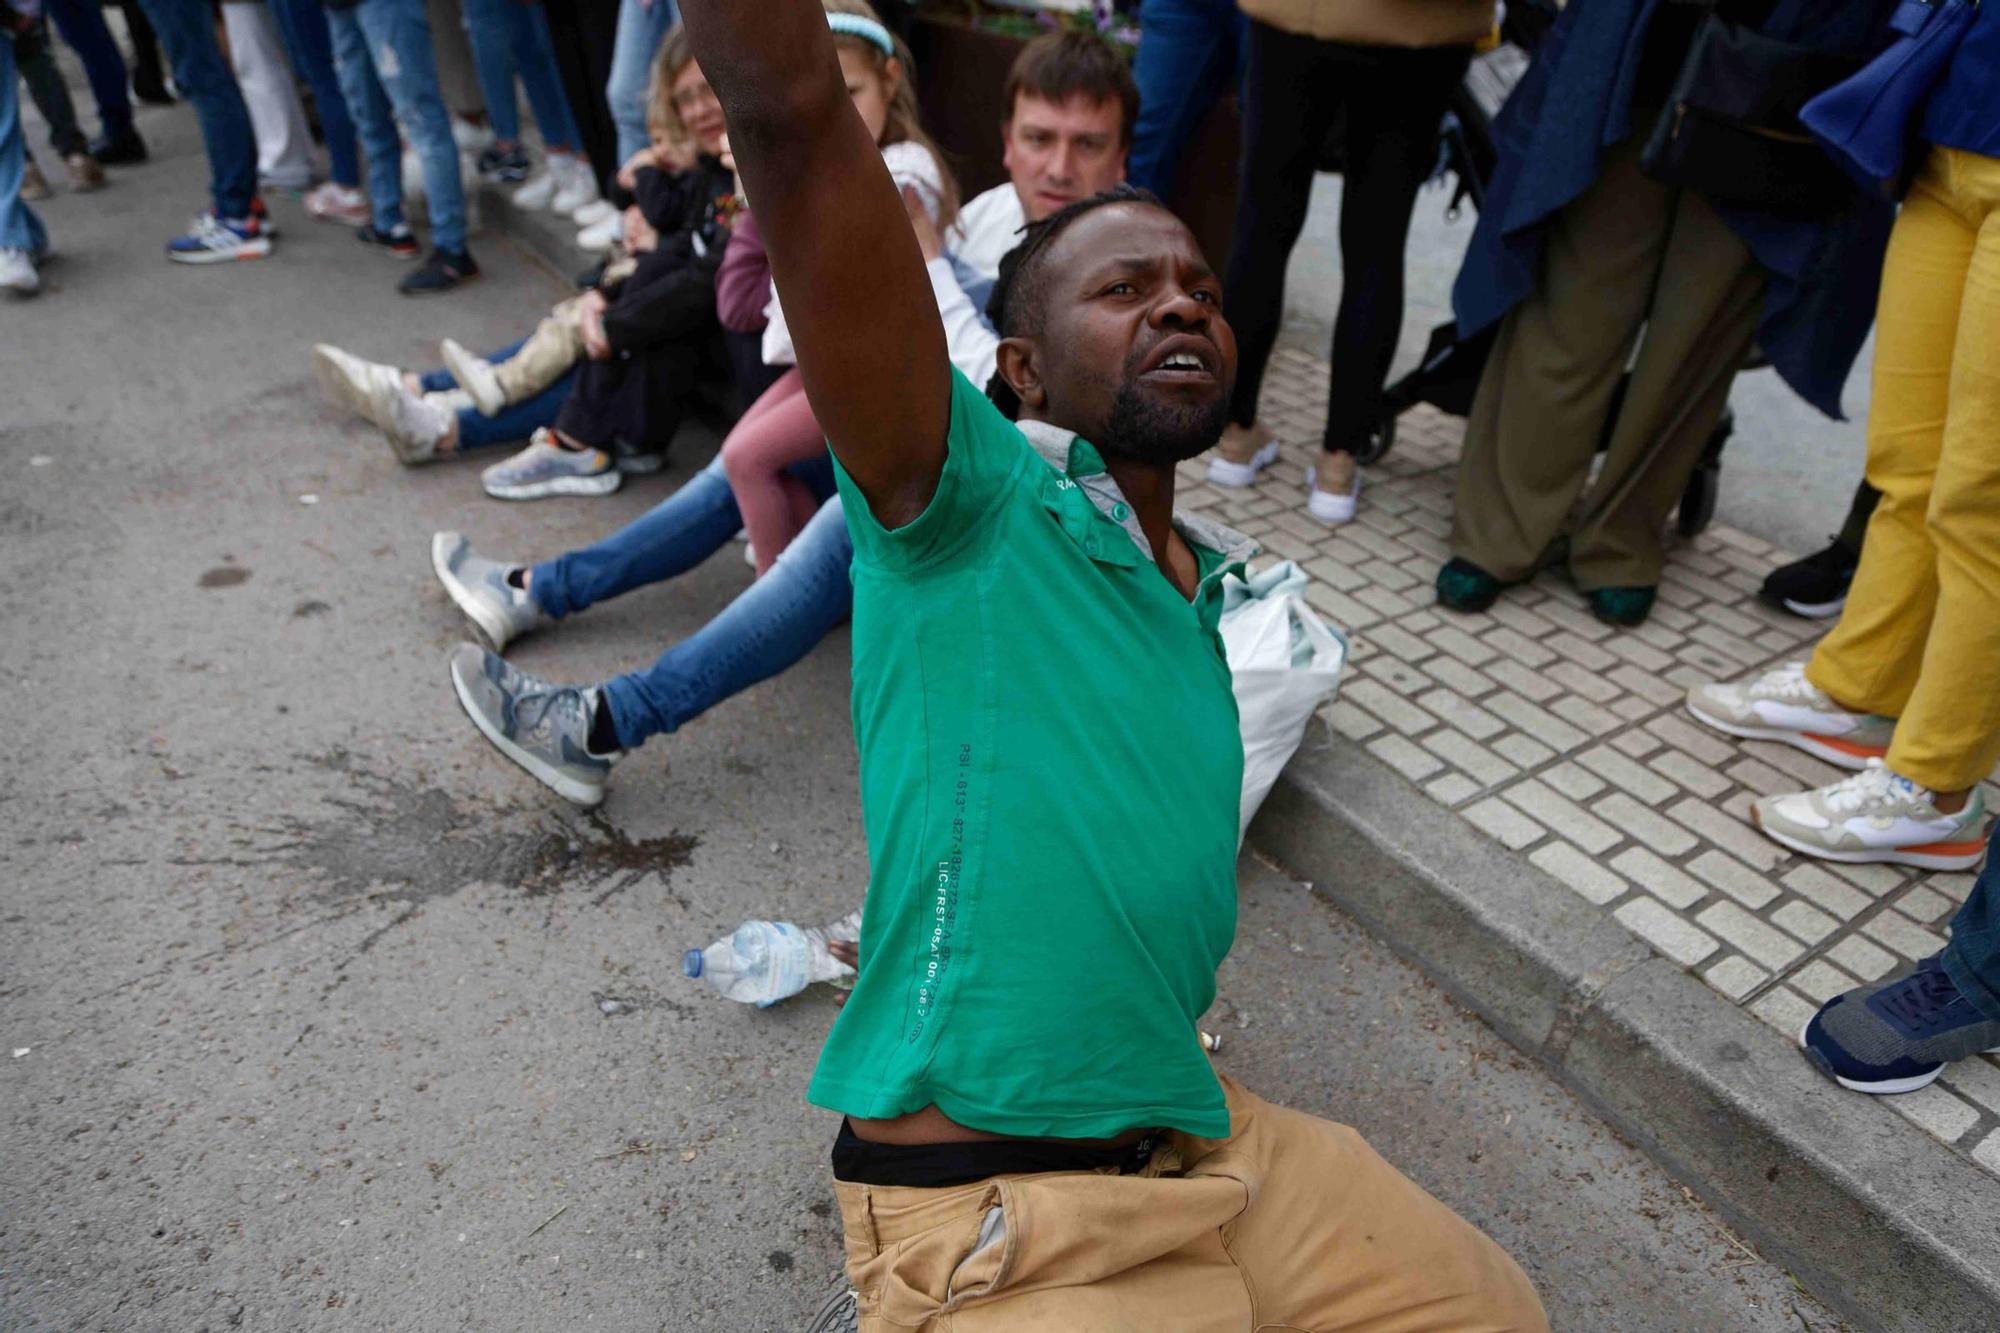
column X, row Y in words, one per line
column 1071, row 106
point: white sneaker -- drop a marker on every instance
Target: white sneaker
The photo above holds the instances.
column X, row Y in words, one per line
column 1782, row 705
column 594, row 212
column 576, row 183
column 1876, row 815
column 331, row 201
column 1330, row 509
column 469, row 137
column 540, row 189
column 414, row 426
column 475, row 375
column 1227, row 472
column 601, row 236
column 349, row 382
column 17, row 272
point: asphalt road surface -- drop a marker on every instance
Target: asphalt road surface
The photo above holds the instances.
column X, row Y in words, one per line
column 302, row 986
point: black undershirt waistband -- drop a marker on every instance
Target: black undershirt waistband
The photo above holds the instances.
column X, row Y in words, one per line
column 941, row 1165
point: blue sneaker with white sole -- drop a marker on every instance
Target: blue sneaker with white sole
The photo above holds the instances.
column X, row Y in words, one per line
column 1897, row 1034
column 545, row 468
column 214, row 240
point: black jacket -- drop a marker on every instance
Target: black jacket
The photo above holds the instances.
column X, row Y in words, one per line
column 672, row 292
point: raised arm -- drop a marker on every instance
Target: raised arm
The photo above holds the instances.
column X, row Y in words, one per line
column 857, row 301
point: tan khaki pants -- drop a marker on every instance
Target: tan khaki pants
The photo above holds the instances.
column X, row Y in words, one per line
column 1290, row 1223
column 546, row 356
column 1627, row 254
column 554, row 346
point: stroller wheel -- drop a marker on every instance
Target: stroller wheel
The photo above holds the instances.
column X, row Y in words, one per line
column 1698, row 500
column 1379, row 440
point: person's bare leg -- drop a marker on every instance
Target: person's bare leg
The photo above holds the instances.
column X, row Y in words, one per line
column 1239, row 444
column 1336, row 472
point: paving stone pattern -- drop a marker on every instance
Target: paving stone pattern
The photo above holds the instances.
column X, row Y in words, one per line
column 1567, row 742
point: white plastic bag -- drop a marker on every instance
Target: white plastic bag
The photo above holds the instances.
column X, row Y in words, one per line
column 1284, row 662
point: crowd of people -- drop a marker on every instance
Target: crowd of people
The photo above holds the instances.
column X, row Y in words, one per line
column 1007, row 383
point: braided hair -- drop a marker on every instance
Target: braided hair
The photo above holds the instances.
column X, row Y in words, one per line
column 1015, row 307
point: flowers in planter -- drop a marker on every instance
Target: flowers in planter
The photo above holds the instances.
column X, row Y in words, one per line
column 1114, row 20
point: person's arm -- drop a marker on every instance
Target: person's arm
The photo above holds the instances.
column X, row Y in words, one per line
column 744, row 282
column 969, row 339
column 870, row 347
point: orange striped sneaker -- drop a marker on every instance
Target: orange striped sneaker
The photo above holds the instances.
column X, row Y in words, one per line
column 1876, row 815
column 1783, row 706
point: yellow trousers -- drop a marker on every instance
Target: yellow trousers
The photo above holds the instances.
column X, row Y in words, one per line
column 1290, row 1223
column 1919, row 640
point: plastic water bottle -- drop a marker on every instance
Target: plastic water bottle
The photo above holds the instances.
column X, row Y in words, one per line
column 763, row 962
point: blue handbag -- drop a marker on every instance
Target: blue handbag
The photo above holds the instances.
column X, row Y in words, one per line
column 1867, row 122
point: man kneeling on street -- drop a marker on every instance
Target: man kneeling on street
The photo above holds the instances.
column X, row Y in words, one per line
column 1050, row 773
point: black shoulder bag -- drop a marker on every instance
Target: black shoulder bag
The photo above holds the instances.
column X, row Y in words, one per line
column 1731, row 126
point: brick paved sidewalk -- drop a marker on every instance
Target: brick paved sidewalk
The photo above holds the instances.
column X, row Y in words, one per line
column 1566, row 741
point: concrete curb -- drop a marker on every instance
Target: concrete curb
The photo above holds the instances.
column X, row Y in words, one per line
column 1874, row 1215
column 548, row 237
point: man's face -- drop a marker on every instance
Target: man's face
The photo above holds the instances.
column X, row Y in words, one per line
column 1060, row 152
column 1133, row 352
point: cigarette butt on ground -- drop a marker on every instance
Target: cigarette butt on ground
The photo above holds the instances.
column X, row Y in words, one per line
column 1210, row 1041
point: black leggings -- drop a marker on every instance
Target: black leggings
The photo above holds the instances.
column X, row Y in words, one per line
column 1392, row 101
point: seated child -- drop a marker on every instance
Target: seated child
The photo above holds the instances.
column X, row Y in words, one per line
column 779, row 430
column 662, row 194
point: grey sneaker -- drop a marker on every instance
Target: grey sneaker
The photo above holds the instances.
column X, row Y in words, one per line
column 545, row 468
column 474, row 374
column 502, row 611
column 1897, row 1034
column 1782, row 705
column 542, row 726
column 1876, row 815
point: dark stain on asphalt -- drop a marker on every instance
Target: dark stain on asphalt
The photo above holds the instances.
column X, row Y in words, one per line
column 396, row 840
column 780, row 1260
column 224, row 576
column 306, row 609
column 391, row 840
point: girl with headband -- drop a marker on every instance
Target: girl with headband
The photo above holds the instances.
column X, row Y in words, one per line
column 779, row 429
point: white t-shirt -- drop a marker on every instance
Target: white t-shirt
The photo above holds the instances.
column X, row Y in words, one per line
column 911, row 166
column 987, row 228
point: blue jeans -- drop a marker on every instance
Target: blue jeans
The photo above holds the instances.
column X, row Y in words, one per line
column 516, row 421
column 510, row 38
column 20, row 229
column 1972, row 958
column 187, row 30
column 82, row 25
column 308, row 41
column 642, row 26
column 771, row 624
column 1189, row 52
column 382, row 49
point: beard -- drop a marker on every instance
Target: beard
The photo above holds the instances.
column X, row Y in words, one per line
column 1149, row 428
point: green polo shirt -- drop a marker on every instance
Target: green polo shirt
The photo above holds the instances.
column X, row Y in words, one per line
column 1050, row 776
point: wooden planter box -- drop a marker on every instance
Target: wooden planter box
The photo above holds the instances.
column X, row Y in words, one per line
column 962, row 76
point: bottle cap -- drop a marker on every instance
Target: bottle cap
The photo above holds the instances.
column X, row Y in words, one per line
column 691, row 962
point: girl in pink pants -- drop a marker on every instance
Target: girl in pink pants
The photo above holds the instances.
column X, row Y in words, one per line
column 779, row 429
